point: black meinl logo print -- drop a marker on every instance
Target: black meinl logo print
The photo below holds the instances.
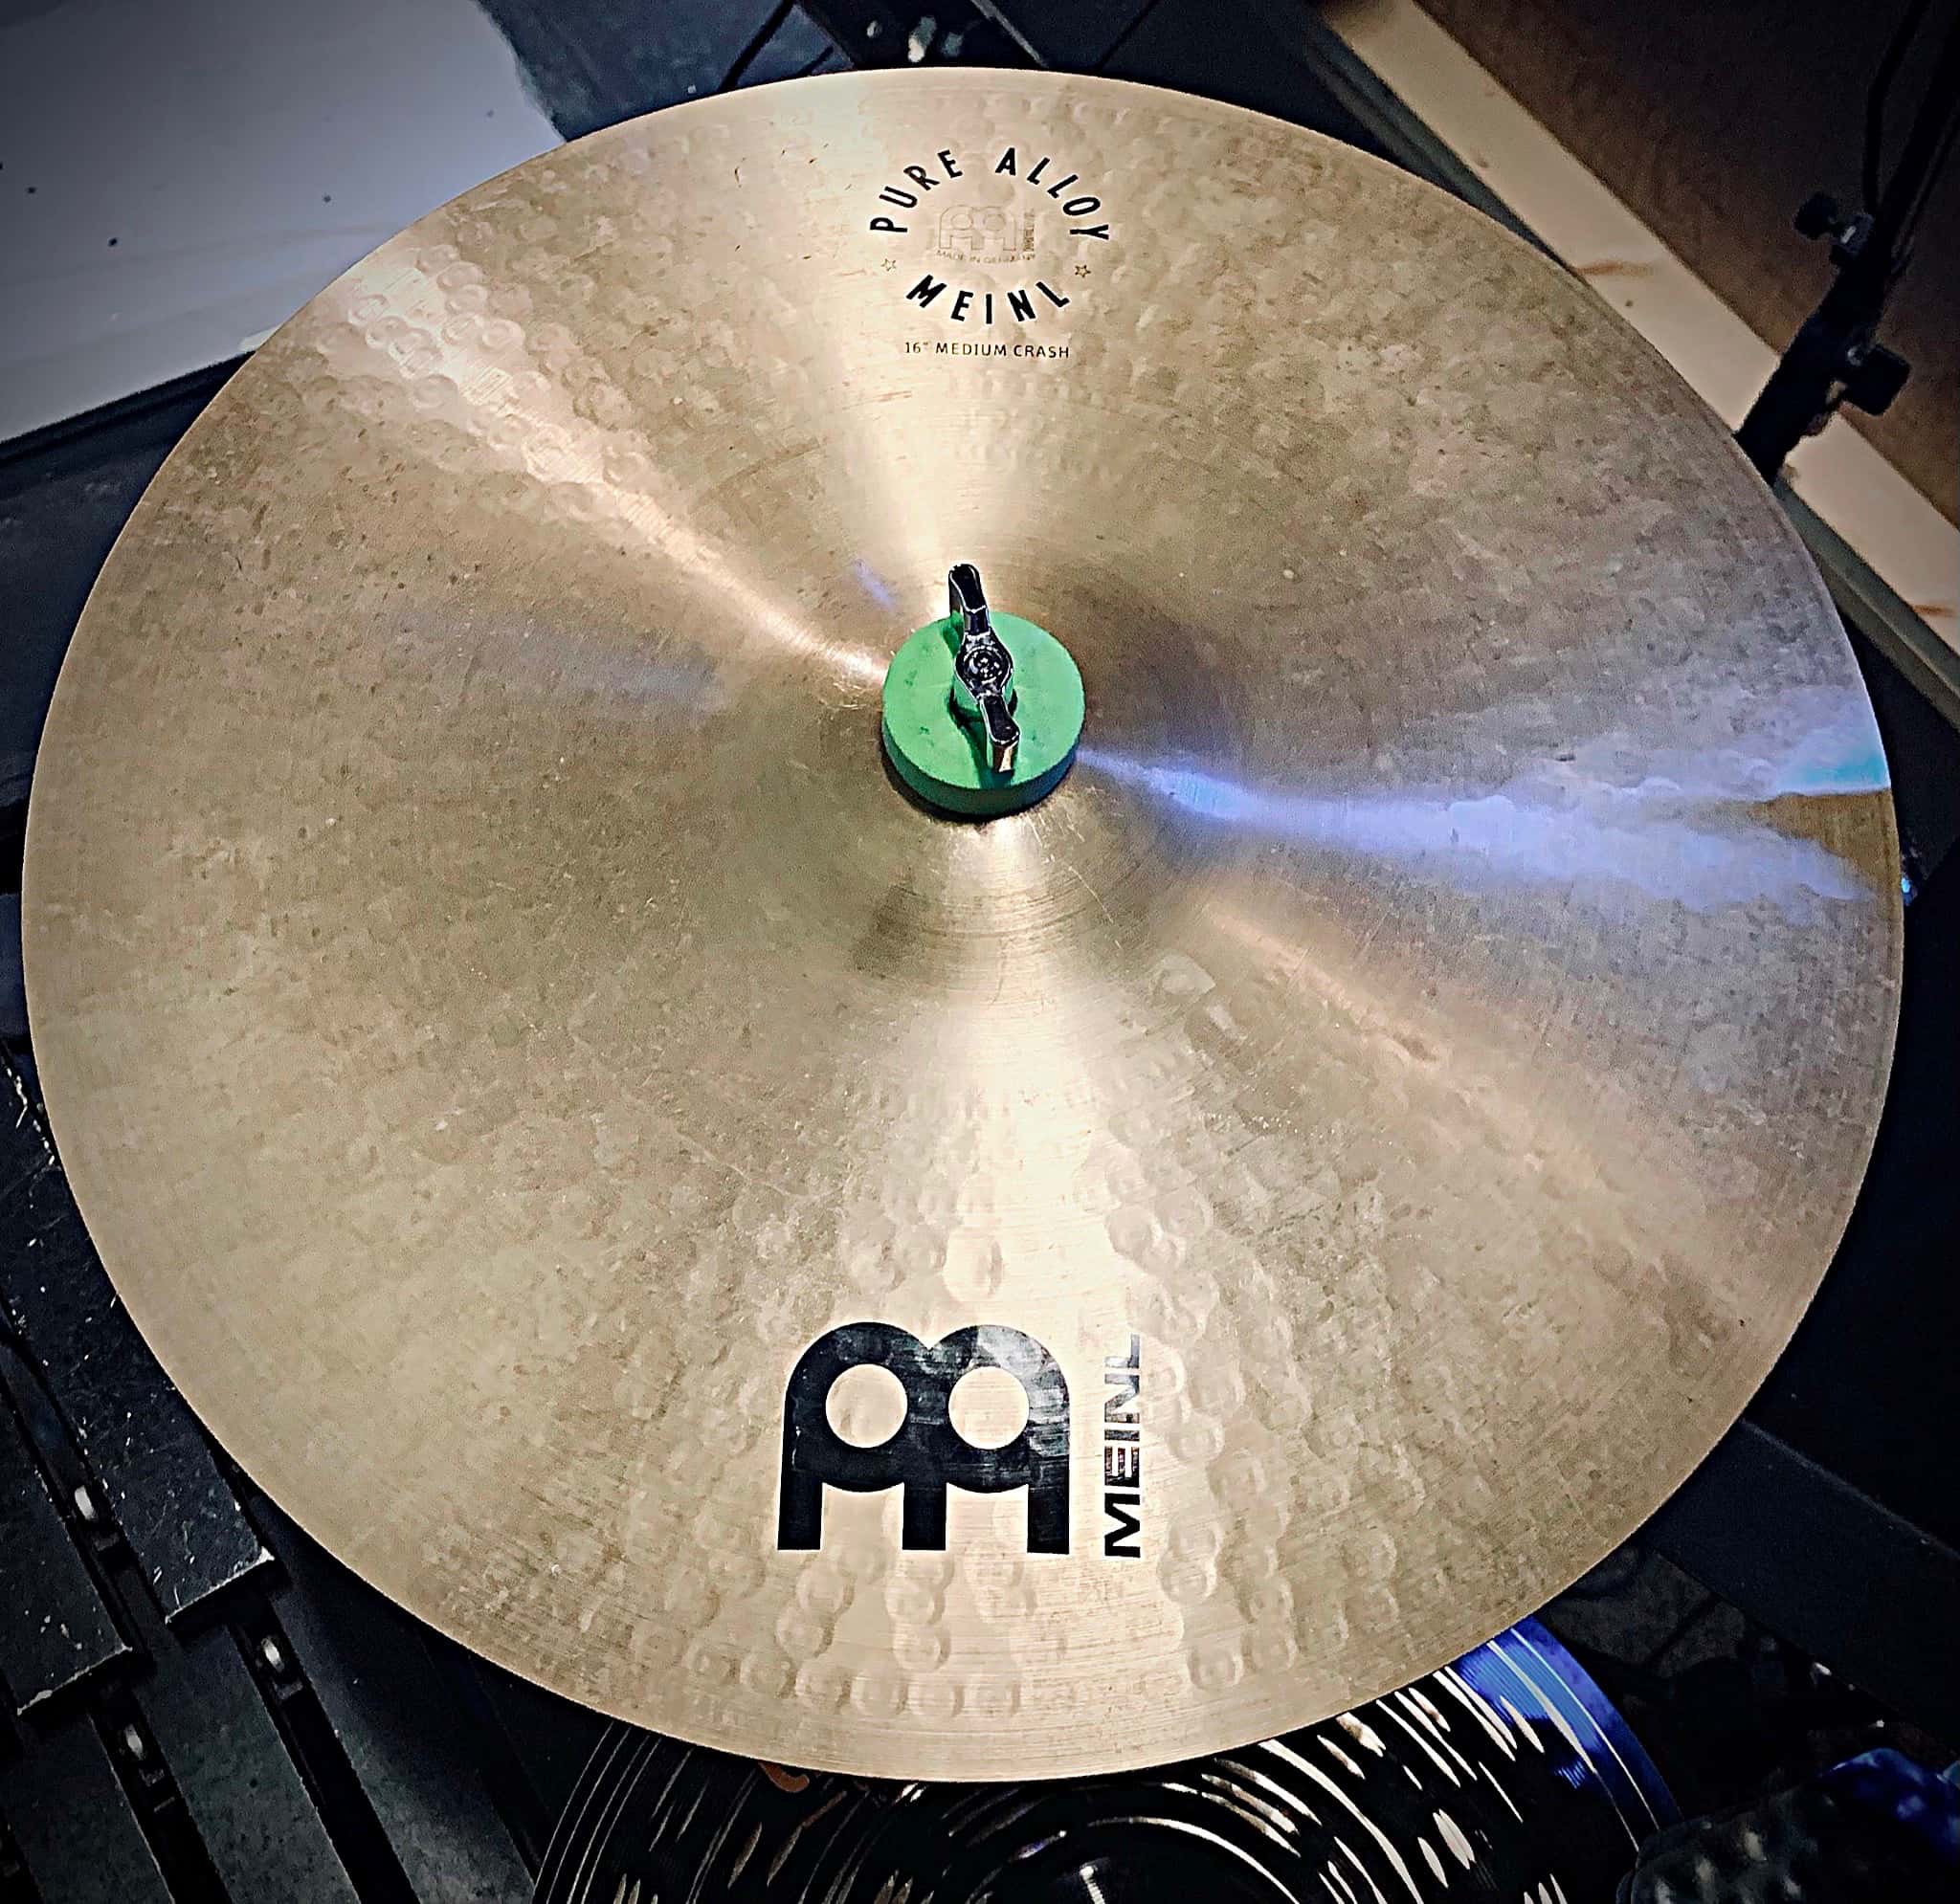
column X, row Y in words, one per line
column 926, row 1454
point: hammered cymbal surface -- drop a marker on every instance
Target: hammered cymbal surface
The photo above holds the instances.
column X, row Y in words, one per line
column 498, row 1011
column 1507, row 1775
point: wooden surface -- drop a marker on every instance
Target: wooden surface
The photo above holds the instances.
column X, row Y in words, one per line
column 1713, row 121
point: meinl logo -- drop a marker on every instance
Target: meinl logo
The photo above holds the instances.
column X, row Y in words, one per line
column 997, row 209
column 925, row 1455
column 1123, row 1455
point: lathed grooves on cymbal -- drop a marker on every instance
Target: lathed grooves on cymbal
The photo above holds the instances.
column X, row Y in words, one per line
column 1505, row 1775
column 499, row 1011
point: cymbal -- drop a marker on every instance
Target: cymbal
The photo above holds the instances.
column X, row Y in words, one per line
column 1507, row 1774
column 924, row 1297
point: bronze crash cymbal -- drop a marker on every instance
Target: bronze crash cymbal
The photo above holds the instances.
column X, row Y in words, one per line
column 519, row 1045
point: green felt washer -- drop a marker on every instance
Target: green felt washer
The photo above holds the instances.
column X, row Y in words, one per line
column 942, row 758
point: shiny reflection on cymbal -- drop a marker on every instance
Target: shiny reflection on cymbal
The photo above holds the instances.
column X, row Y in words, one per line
column 1645, row 837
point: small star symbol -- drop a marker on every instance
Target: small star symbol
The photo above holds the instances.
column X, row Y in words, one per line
column 891, row 264
column 1082, row 271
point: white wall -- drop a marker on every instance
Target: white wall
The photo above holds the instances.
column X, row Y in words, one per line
column 241, row 153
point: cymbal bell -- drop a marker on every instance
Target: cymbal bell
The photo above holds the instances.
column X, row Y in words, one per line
column 632, row 1180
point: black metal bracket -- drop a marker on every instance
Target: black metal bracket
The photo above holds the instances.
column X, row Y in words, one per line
column 953, row 33
column 1835, row 357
